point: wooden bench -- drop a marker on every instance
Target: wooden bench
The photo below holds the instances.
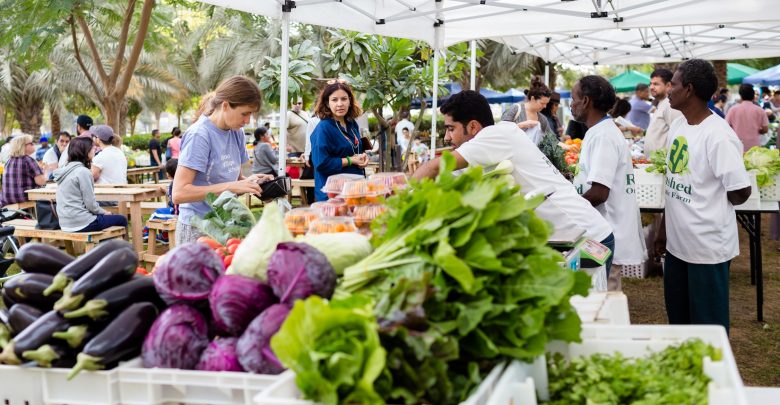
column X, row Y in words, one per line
column 25, row 229
column 297, row 190
column 147, row 207
column 21, row 206
column 157, row 225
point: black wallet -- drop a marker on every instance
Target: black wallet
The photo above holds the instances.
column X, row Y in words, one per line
column 276, row 188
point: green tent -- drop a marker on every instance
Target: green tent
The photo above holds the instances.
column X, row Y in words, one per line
column 628, row 80
column 735, row 72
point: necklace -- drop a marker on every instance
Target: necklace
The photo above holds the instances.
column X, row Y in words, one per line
column 354, row 143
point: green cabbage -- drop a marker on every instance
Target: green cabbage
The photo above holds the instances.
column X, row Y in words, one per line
column 341, row 249
column 766, row 163
column 228, row 218
column 251, row 257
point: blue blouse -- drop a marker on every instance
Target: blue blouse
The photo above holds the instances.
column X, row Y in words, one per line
column 328, row 146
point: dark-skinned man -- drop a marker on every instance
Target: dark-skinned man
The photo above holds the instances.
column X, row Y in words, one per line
column 606, row 175
column 705, row 178
column 470, row 128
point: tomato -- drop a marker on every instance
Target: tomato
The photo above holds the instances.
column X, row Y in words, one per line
column 142, row 271
column 233, row 241
column 222, row 252
column 210, row 242
column 231, row 249
column 228, row 260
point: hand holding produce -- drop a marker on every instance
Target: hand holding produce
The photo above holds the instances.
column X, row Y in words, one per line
column 176, row 339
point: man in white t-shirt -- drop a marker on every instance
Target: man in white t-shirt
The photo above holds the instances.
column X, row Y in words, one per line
column 110, row 165
column 470, row 128
column 705, row 178
column 399, row 130
column 606, row 174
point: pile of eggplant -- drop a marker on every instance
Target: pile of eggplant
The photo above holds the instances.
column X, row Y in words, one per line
column 85, row 313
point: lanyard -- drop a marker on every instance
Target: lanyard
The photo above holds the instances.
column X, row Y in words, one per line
column 353, row 143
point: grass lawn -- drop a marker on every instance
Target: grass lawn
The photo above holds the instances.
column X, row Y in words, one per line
column 756, row 345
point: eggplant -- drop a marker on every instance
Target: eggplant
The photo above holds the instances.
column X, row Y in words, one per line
column 42, row 258
column 120, row 340
column 78, row 336
column 34, row 336
column 27, row 288
column 21, row 316
column 111, row 302
column 5, row 335
column 116, row 268
column 52, row 355
column 79, row 267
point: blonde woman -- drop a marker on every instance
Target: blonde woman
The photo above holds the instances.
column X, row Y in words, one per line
column 21, row 172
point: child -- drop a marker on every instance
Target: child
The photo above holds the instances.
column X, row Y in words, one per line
column 421, row 150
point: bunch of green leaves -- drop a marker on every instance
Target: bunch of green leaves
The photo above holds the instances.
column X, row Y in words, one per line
column 228, row 218
column 671, row 376
column 657, row 162
column 334, row 349
column 463, row 279
column 766, row 163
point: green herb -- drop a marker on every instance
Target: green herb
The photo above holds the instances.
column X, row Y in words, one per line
column 657, row 162
column 334, row 350
column 228, row 218
column 672, row 376
column 766, row 163
column 463, row 279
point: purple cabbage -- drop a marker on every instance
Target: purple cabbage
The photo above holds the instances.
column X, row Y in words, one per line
column 236, row 300
column 187, row 273
column 176, row 340
column 220, row 355
column 254, row 346
column 298, row 270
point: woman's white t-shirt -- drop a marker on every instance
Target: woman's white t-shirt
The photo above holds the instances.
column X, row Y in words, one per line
column 605, row 159
column 703, row 163
column 532, row 170
column 112, row 164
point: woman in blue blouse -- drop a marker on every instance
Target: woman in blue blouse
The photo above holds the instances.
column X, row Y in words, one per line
column 335, row 143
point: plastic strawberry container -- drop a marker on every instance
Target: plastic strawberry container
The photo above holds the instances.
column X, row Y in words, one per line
column 298, row 220
column 335, row 207
column 335, row 183
column 362, row 192
column 364, row 214
column 393, row 180
column 332, row 225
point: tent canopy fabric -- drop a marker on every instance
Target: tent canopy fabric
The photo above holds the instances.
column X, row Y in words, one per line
column 492, row 96
column 463, row 20
column 737, row 72
column 658, row 44
column 628, row 80
column 768, row 77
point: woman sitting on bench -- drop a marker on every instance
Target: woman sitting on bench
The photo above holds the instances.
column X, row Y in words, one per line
column 21, row 172
column 77, row 209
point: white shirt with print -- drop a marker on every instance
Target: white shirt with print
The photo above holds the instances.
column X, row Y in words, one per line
column 532, row 170
column 703, row 163
column 112, row 164
column 605, row 159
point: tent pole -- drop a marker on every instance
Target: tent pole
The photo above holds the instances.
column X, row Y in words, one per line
column 547, row 66
column 473, row 80
column 435, row 100
column 284, row 90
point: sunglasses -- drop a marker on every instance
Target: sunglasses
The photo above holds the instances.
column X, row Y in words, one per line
column 298, row 103
column 334, row 81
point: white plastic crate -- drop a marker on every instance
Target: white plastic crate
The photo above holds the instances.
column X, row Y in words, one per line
column 771, row 193
column 285, row 392
column 157, row 386
column 21, row 385
column 610, row 308
column 649, row 188
column 754, row 202
column 633, row 270
column 39, row 386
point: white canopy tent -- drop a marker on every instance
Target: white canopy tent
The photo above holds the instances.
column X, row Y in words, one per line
column 445, row 22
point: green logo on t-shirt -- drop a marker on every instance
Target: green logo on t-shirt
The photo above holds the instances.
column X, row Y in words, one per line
column 678, row 156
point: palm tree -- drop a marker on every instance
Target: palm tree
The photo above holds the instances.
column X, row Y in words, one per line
column 26, row 92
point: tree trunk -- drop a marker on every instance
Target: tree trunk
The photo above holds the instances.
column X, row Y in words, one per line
column 553, row 77
column 178, row 117
column 157, row 115
column 132, row 125
column 2, row 120
column 384, row 127
column 721, row 71
column 56, row 124
column 111, row 112
column 30, row 118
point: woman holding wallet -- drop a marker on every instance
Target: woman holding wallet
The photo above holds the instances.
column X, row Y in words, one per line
column 212, row 153
column 335, row 142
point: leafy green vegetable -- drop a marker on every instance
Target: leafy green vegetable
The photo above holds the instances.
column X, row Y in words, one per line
column 228, row 218
column 463, row 279
column 333, row 348
column 342, row 249
column 251, row 257
column 657, row 162
column 672, row 376
column 766, row 163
